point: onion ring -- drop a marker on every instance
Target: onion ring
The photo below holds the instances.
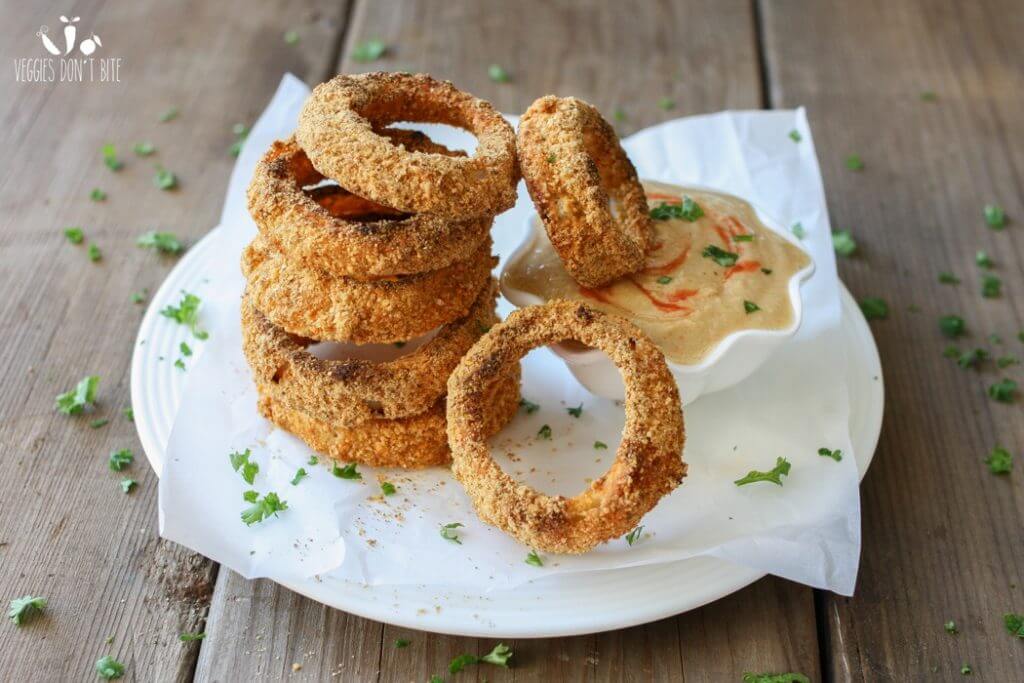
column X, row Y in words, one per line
column 409, row 442
column 574, row 169
column 353, row 391
column 316, row 305
column 337, row 130
column 648, row 463
column 341, row 233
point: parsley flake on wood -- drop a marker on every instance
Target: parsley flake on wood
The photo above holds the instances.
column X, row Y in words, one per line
column 836, row 455
column 165, row 242
column 144, row 149
column 74, row 235
column 263, row 508
column 575, row 412
column 97, row 195
column 369, row 51
column 843, row 242
column 724, row 258
column 968, row 359
column 950, row 627
column 169, row 115
column 110, row 157
column 94, row 253
column 948, row 279
column 109, row 668
column 634, row 535
column 499, row 656
column 24, row 608
column 1014, row 623
column 534, row 559
column 498, row 74
column 854, row 162
column 991, row 286
column 952, row 326
column 300, row 474
column 619, row 114
column 999, row 461
column 544, row 432
column 81, row 397
column 1003, row 391
column 750, row 307
column 529, row 406
column 1006, row 361
column 666, row 103
column 928, row 96
column 291, row 37
column 966, row 670
column 127, row 484
column 773, row 475
column 402, row 642
column 139, row 297
column 241, row 132
column 191, row 637
column 349, row 471
column 874, row 308
column 448, row 532
column 128, row 414
column 982, row 259
column 164, row 179
column 775, row 678
column 995, row 217
column 118, row 460
column 100, row 422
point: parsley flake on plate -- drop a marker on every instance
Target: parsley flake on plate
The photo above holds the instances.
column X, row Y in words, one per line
column 300, row 474
column 144, row 149
column 250, row 496
column 575, row 412
column 81, row 397
column 798, row 231
column 240, row 463
column 97, row 195
column 1003, row 391
column 991, row 286
column 529, row 406
column 349, row 471
column 600, row 446
column 1014, row 623
column 109, row 668
column 94, row 253
column 775, row 678
column 634, row 535
column 995, row 217
column 186, row 313
column 843, row 242
column 127, row 484
column 110, row 157
column 532, row 558
column 952, row 326
column 773, row 475
column 836, row 455
column 874, row 308
column 448, row 532
column 263, row 508
column 118, row 460
column 387, row 488
column 369, row 51
column 74, row 235
column 313, row 460
column 498, row 74
column 999, row 461
column 24, row 608
column 854, row 162
column 720, row 256
column 164, row 242
column 164, row 179
column 191, row 637
column 186, row 350
column 795, row 136
column 180, row 364
column 750, row 307
column 544, row 432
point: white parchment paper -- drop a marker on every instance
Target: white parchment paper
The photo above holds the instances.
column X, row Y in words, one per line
column 807, row 530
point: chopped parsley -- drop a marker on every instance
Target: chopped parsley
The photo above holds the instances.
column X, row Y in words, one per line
column 369, row 51
column 74, row 235
column 81, row 397
column 836, row 455
column 1003, row 391
column 191, row 637
column 291, row 37
column 874, row 308
column 186, row 313
column 775, row 678
column 664, row 280
column 952, row 326
column 795, row 136
column 300, row 474
column 97, row 195
column 991, row 286
column 402, row 642
column 100, row 422
column 118, row 460
column 25, row 608
column 766, row 271
column 983, row 259
column 127, row 484
column 94, row 253
column 743, row 238
column 498, row 74
column 575, row 412
column 313, row 460
column 448, row 532
column 798, row 230
column 349, row 471
column 240, row 463
column 499, row 656
column 634, row 535
column 950, row 627
column 1006, row 361
column 165, row 242
column 551, row 158
column 186, row 350
column 999, row 461
column 750, row 307
column 169, row 115
column 666, row 103
column 139, row 297
column 534, row 559
column 241, row 132
column 600, row 446
column 144, row 149
column 180, row 364
column 854, row 162
column 619, row 114
column 968, row 359
column 544, row 432
column 994, row 216
column 129, row 414
column 843, row 242
column 164, row 179
column 720, row 256
column 109, row 668
column 387, row 488
column 529, row 406
column 966, row 670
column 250, row 496
column 1014, row 623
column 688, row 210
column 773, row 475
column 110, row 157
column 263, row 508
column 948, row 279
column 928, row 96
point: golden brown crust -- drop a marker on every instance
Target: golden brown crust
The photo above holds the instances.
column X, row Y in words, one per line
column 377, row 241
column 337, row 130
column 317, row 305
column 353, row 391
column 573, row 163
column 409, row 443
column 648, row 463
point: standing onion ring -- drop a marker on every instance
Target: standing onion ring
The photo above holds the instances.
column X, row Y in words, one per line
column 337, row 129
column 575, row 169
column 648, row 463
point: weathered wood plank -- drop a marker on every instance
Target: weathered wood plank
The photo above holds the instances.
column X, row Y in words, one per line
column 701, row 55
column 67, row 532
column 941, row 533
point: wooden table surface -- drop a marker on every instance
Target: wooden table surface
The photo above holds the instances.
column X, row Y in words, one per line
column 942, row 536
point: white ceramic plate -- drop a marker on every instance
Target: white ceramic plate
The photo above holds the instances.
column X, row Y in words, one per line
column 582, row 603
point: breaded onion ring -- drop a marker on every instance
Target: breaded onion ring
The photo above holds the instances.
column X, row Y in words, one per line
column 331, row 229
column 337, row 129
column 316, row 305
column 409, row 442
column 353, row 391
column 585, row 188
column 648, row 463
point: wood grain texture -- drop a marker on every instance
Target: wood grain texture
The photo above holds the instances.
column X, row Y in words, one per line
column 699, row 54
column 67, row 532
column 941, row 533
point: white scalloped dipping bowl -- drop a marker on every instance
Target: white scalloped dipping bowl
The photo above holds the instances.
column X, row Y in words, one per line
column 734, row 358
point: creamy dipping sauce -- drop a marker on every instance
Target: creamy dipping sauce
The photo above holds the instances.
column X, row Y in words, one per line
column 704, row 279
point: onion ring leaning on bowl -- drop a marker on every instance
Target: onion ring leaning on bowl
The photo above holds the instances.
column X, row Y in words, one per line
column 317, row 305
column 408, row 442
column 337, row 129
column 575, row 168
column 648, row 463
column 343, row 234
column 352, row 391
